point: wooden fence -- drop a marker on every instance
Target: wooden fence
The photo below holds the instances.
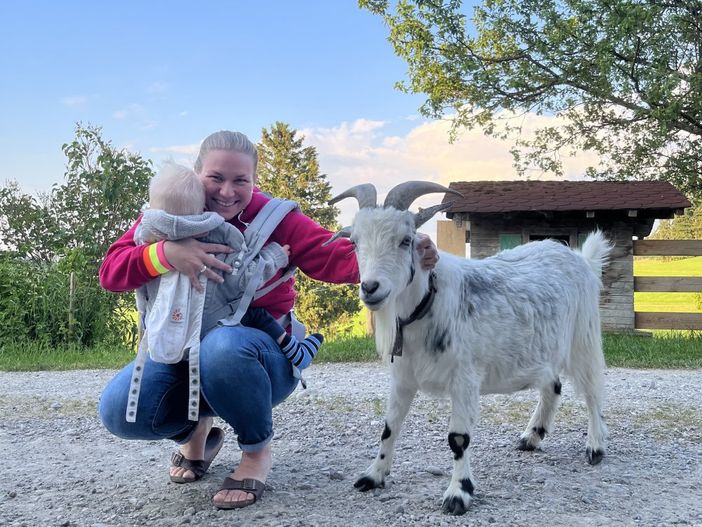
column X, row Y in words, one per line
column 668, row 284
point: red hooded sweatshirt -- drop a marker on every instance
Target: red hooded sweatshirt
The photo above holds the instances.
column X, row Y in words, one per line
column 123, row 268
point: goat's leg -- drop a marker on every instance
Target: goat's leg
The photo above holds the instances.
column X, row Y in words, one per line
column 588, row 377
column 591, row 386
column 464, row 415
column 398, row 405
column 541, row 421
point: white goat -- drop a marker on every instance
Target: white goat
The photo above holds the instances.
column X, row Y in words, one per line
column 514, row 321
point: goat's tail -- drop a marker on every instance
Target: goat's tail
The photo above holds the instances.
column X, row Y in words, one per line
column 596, row 250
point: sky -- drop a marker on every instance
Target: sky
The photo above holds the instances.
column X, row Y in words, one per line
column 159, row 76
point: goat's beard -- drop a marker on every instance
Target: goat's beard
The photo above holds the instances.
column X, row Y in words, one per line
column 385, row 329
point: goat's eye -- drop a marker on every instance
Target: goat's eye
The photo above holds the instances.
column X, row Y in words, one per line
column 406, row 241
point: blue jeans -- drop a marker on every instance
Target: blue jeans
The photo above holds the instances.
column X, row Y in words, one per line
column 243, row 375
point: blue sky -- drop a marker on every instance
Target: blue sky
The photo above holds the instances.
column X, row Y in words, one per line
column 159, row 76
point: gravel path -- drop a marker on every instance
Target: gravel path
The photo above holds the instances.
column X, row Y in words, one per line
column 62, row 468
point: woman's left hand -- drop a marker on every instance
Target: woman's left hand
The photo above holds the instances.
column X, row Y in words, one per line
column 428, row 253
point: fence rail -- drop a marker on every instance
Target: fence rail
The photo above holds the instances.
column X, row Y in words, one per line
column 667, row 284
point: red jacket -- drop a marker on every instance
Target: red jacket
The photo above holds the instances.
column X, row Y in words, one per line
column 123, row 268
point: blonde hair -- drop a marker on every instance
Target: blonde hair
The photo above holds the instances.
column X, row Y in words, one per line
column 177, row 190
column 228, row 141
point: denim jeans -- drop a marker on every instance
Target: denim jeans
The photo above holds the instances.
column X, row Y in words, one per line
column 243, row 375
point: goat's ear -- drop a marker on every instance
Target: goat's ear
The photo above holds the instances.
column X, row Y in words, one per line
column 343, row 233
column 425, row 215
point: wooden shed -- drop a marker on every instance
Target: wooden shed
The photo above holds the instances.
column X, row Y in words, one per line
column 496, row 215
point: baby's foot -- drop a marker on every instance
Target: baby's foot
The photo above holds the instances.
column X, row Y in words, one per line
column 301, row 352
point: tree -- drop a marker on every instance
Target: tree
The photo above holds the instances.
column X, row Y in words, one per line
column 685, row 227
column 103, row 192
column 625, row 77
column 288, row 169
column 59, row 238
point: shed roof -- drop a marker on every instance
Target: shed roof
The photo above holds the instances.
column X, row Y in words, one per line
column 552, row 196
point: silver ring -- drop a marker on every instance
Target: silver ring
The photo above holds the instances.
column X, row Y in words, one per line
column 202, row 269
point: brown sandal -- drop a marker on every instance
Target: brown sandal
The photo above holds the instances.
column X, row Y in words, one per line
column 248, row 485
column 213, row 444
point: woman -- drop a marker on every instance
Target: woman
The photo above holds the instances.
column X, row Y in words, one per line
column 243, row 374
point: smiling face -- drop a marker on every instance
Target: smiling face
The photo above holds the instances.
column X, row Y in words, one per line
column 229, row 178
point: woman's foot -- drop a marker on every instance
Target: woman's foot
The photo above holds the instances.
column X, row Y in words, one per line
column 253, row 465
column 194, row 449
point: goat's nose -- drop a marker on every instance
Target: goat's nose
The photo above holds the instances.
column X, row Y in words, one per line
column 369, row 286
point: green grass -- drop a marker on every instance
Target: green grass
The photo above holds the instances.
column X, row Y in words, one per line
column 38, row 357
column 350, row 349
column 668, row 302
column 647, row 266
column 665, row 349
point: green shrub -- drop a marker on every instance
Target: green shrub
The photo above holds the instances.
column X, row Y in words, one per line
column 38, row 304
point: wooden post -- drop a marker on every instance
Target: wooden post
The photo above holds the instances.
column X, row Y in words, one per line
column 71, row 302
column 451, row 237
column 370, row 322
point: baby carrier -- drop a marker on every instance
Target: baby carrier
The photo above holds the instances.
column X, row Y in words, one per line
column 175, row 317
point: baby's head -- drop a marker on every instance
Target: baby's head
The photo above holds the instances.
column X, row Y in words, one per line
column 177, row 190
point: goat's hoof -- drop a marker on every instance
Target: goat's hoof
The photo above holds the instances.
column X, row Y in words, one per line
column 454, row 505
column 525, row 445
column 366, row 483
column 594, row 456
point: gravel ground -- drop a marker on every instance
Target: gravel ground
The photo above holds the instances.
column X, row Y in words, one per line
column 62, row 468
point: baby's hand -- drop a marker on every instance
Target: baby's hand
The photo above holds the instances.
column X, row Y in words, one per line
column 286, row 250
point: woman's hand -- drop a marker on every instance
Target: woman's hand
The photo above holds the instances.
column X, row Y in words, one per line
column 192, row 258
column 428, row 252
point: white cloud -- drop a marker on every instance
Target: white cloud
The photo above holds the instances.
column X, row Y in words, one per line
column 119, row 115
column 74, row 100
column 359, row 152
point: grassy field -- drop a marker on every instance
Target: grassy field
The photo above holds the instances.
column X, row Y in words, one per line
column 668, row 302
column 665, row 349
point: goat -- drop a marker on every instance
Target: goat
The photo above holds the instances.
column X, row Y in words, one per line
column 513, row 321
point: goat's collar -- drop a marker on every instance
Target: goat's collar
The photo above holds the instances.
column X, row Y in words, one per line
column 419, row 312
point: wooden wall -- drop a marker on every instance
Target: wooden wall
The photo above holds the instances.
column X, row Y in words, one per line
column 451, row 237
column 617, row 299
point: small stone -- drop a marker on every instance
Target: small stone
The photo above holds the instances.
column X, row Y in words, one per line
column 336, row 475
column 399, row 510
column 56, row 405
column 435, row 471
column 12, row 494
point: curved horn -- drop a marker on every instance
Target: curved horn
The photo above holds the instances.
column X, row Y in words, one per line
column 343, row 233
column 424, row 215
column 402, row 196
column 365, row 194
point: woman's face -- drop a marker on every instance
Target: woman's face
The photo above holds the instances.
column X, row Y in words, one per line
column 229, row 179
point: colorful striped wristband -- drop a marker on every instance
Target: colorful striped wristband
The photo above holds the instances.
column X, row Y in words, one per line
column 155, row 259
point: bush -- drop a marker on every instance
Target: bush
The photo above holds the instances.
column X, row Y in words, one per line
column 38, row 304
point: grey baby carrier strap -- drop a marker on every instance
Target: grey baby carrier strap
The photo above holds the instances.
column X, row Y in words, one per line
column 255, row 237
